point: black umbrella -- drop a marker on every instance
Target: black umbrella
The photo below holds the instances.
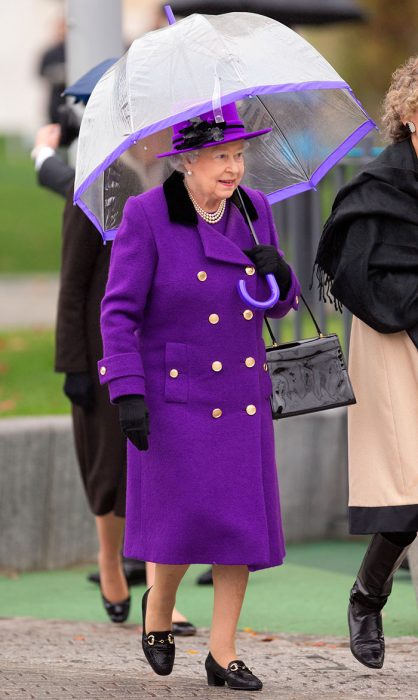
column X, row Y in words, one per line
column 289, row 12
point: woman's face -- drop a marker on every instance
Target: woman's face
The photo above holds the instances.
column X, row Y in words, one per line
column 218, row 170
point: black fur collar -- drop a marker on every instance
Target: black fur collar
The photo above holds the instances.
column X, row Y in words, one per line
column 181, row 209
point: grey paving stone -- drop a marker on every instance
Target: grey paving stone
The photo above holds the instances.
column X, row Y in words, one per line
column 73, row 660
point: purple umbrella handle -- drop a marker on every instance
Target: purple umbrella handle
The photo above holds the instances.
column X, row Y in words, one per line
column 169, row 14
column 274, row 298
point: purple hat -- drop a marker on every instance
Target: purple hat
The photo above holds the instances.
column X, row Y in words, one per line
column 204, row 131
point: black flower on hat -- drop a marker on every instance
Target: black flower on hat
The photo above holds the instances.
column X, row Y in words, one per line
column 200, row 132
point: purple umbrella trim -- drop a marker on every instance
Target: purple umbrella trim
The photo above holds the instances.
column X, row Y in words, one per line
column 200, row 109
column 273, row 197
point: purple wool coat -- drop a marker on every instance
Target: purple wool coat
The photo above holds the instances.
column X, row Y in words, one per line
column 175, row 329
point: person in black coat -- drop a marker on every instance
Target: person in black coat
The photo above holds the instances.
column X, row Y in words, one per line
column 368, row 261
column 100, row 445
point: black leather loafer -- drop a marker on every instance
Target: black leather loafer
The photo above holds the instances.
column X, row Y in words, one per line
column 159, row 647
column 117, row 612
column 237, row 676
column 183, row 629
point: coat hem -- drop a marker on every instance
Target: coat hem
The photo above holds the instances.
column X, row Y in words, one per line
column 364, row 520
column 206, row 561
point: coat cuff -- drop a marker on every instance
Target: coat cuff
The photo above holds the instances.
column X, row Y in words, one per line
column 124, row 373
column 124, row 386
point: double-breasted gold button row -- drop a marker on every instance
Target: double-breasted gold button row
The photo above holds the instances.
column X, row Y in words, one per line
column 250, row 410
column 214, row 318
column 202, row 275
column 217, row 366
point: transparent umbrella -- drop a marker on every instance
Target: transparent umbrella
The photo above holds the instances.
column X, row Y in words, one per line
column 200, row 63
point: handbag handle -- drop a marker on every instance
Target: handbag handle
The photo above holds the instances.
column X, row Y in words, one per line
column 314, row 321
column 254, row 235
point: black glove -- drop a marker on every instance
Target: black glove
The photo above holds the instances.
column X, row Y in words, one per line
column 267, row 260
column 78, row 387
column 134, row 420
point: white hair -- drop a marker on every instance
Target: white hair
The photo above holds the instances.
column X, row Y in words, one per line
column 177, row 161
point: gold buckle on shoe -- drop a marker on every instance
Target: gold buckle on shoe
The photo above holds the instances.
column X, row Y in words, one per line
column 170, row 638
column 234, row 667
column 151, row 636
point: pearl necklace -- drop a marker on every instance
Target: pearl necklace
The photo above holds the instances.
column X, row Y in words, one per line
column 210, row 217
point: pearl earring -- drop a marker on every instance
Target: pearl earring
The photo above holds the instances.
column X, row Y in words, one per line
column 411, row 126
column 189, row 172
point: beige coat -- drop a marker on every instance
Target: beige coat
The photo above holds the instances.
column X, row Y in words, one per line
column 383, row 425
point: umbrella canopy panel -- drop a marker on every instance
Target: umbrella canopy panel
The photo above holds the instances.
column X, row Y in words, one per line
column 289, row 12
column 183, row 70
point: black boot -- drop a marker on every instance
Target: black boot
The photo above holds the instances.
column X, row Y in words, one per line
column 367, row 598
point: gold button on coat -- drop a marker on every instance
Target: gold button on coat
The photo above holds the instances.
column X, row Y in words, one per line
column 250, row 270
column 216, row 366
column 202, row 276
column 174, row 373
column 297, row 299
column 251, row 409
column 265, row 367
column 216, row 413
column 213, row 318
column 102, row 371
column 247, row 314
column 250, row 361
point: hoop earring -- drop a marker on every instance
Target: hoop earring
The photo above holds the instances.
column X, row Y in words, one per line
column 189, row 172
column 411, row 126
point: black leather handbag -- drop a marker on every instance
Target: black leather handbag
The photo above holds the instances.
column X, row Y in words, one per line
column 308, row 375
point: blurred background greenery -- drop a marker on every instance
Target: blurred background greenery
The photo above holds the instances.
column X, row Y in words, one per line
column 366, row 54
column 30, row 215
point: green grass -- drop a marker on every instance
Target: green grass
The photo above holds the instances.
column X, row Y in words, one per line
column 307, row 595
column 30, row 222
column 28, row 383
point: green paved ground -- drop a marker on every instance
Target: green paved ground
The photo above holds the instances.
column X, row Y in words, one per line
column 307, row 595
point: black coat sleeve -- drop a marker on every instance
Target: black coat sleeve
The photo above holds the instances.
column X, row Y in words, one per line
column 56, row 175
column 377, row 279
column 81, row 245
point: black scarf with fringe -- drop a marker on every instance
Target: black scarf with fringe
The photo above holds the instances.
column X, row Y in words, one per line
column 367, row 258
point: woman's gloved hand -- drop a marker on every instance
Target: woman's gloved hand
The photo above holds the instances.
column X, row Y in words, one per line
column 134, row 420
column 78, row 387
column 267, row 260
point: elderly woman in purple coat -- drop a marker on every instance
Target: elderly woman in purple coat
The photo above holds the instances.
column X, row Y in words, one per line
column 185, row 361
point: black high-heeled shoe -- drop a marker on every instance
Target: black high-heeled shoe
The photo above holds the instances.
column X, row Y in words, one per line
column 159, row 647
column 237, row 676
column 184, row 629
column 117, row 612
